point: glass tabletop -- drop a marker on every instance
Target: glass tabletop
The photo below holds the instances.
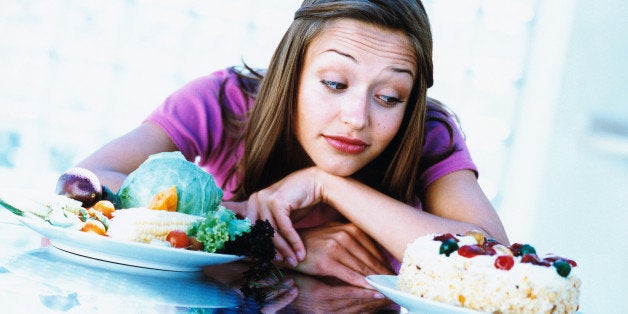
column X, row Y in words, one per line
column 36, row 277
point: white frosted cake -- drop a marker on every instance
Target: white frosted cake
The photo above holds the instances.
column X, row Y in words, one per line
column 473, row 272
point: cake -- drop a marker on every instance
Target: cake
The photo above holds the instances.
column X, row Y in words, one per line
column 478, row 273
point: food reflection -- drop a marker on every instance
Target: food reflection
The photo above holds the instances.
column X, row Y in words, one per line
column 72, row 280
column 291, row 292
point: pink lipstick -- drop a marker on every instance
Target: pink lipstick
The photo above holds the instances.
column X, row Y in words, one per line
column 347, row 145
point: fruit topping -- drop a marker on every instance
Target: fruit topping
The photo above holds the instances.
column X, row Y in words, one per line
column 519, row 249
column 563, row 268
column 515, row 248
column 474, row 250
column 505, row 262
column 448, row 246
column 553, row 258
column 490, row 242
column 501, row 250
column 445, row 237
column 479, row 236
column 527, row 249
column 534, row 259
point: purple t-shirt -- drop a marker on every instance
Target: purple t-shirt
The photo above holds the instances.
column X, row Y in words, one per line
column 193, row 119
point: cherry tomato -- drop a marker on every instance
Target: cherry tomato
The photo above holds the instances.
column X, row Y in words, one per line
column 178, row 239
column 195, row 244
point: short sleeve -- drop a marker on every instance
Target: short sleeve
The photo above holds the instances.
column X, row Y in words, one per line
column 192, row 116
column 443, row 152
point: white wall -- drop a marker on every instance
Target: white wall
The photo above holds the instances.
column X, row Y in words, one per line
column 567, row 178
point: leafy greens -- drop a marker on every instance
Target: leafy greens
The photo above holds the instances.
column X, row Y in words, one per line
column 197, row 191
column 219, row 227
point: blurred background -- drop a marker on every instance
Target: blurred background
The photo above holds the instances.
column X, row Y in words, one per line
column 539, row 87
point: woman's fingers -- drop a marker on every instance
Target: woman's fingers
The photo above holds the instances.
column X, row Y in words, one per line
column 277, row 211
column 280, row 240
column 281, row 300
column 339, row 251
column 291, row 249
column 356, row 257
column 294, row 194
column 350, row 274
column 368, row 258
column 286, row 229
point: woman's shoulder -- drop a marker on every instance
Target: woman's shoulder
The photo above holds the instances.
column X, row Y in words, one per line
column 438, row 110
column 229, row 87
column 441, row 119
column 242, row 77
column 443, row 135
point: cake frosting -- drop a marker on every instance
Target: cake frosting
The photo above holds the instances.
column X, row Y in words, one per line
column 478, row 273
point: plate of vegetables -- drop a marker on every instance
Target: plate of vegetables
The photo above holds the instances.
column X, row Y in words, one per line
column 125, row 252
column 167, row 216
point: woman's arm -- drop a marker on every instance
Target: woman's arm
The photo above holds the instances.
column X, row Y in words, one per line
column 454, row 203
column 115, row 160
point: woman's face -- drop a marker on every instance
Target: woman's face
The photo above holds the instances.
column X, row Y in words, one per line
column 353, row 92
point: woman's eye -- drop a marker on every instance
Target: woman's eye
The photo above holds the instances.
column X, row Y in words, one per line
column 389, row 100
column 334, row 85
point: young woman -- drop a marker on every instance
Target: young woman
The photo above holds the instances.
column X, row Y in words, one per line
column 336, row 144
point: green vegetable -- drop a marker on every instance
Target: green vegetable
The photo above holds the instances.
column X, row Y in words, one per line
column 197, row 191
column 11, row 208
column 218, row 227
column 38, row 204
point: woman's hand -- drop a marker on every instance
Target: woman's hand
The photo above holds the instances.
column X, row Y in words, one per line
column 325, row 295
column 291, row 196
column 342, row 251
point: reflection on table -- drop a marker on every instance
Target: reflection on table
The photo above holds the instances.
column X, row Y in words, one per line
column 39, row 278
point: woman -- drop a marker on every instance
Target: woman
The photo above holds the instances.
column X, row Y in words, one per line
column 337, row 144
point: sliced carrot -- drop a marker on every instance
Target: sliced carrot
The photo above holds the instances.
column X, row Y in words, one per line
column 165, row 200
column 94, row 226
column 105, row 207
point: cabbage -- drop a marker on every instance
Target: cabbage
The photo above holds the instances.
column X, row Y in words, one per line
column 197, row 191
column 219, row 227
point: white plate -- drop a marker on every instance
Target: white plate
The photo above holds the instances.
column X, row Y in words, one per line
column 125, row 252
column 387, row 285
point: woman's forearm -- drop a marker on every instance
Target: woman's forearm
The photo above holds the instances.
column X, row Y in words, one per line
column 115, row 160
column 391, row 223
column 111, row 179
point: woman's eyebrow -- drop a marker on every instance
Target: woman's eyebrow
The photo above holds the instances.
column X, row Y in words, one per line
column 401, row 70
column 394, row 69
column 342, row 54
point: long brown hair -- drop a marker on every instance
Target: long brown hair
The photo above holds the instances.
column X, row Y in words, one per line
column 270, row 147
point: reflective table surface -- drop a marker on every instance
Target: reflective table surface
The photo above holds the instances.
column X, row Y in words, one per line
column 36, row 277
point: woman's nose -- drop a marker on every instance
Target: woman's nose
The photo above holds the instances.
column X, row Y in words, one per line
column 355, row 112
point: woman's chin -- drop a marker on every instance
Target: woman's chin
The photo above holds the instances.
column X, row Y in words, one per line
column 341, row 171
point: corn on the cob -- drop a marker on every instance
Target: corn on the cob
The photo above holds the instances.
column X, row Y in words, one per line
column 145, row 225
